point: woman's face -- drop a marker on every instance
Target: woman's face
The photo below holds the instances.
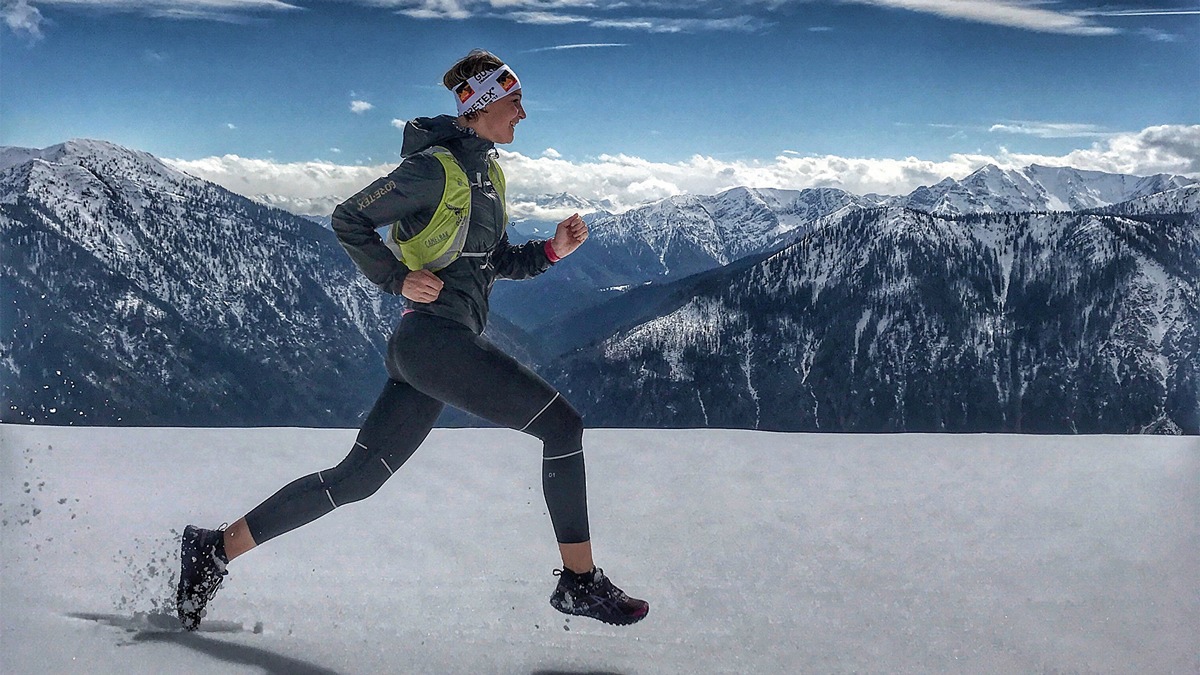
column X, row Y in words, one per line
column 498, row 121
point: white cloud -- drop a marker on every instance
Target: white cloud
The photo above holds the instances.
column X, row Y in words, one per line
column 590, row 45
column 433, row 9
column 1161, row 149
column 399, row 124
column 663, row 17
column 231, row 126
column 627, row 180
column 22, row 17
column 565, row 12
column 551, row 153
column 656, row 16
column 546, row 19
column 360, row 107
column 1025, row 15
column 1051, row 129
column 1157, row 35
column 1146, row 12
column 309, row 187
column 741, row 24
column 215, row 10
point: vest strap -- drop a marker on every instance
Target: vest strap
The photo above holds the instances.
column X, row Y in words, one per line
column 441, row 242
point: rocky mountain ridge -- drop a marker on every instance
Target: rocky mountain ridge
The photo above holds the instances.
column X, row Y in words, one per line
column 143, row 295
column 892, row 319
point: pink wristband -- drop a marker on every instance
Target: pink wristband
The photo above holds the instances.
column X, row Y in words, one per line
column 550, row 252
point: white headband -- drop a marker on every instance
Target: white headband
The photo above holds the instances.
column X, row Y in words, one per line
column 480, row 90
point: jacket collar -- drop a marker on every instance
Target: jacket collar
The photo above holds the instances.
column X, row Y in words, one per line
column 423, row 133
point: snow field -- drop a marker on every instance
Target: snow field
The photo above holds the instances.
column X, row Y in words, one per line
column 759, row 553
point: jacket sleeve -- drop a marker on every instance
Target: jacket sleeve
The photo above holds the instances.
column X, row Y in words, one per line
column 522, row 261
column 402, row 196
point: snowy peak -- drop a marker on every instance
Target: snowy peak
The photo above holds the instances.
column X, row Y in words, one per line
column 1075, row 189
column 1184, row 199
column 992, row 189
column 566, row 200
column 90, row 177
column 987, row 190
column 538, row 215
column 98, row 157
column 992, row 178
column 721, row 228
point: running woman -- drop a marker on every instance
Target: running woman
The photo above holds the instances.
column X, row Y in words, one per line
column 436, row 355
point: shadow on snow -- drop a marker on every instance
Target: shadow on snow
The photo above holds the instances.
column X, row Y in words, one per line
column 155, row 631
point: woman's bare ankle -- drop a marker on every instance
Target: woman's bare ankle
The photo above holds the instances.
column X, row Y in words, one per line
column 238, row 539
column 577, row 557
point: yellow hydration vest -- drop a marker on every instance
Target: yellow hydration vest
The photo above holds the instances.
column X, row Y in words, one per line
column 442, row 240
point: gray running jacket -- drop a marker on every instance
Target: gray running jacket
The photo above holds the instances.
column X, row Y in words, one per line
column 409, row 195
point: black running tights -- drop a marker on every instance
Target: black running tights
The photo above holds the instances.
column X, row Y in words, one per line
column 431, row 362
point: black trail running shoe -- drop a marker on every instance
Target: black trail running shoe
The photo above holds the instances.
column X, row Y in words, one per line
column 202, row 569
column 593, row 595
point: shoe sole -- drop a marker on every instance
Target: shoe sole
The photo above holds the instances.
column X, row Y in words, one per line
column 622, row 621
column 181, row 596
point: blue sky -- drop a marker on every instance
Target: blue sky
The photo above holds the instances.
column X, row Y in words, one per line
column 618, row 92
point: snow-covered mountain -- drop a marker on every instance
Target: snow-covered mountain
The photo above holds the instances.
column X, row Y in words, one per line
column 1179, row 200
column 568, row 201
column 692, row 233
column 537, row 218
column 671, row 239
column 140, row 294
column 892, row 319
column 1035, row 188
column 689, row 234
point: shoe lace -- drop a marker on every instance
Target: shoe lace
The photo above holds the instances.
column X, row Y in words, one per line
column 604, row 588
column 214, row 572
column 595, row 584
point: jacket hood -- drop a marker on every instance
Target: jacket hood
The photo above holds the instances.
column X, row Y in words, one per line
column 425, row 132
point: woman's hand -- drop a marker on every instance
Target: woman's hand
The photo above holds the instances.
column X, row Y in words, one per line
column 570, row 234
column 421, row 286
